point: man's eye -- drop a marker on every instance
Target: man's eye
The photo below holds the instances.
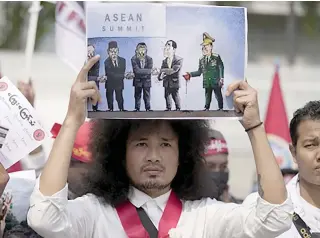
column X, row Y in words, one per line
column 165, row 145
column 141, row 144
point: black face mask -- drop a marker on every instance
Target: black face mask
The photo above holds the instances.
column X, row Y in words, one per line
column 221, row 180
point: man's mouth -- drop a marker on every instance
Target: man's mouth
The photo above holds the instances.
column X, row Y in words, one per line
column 152, row 169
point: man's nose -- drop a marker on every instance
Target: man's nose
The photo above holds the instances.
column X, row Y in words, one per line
column 153, row 154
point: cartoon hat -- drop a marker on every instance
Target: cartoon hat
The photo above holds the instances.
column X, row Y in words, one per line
column 112, row 44
column 80, row 148
column 207, row 39
column 216, row 144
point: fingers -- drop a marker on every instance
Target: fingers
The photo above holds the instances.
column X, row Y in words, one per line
column 92, row 85
column 239, row 84
column 89, row 85
column 82, row 76
column 91, row 93
column 241, row 102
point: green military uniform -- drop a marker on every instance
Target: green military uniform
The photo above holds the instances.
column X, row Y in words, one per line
column 212, row 70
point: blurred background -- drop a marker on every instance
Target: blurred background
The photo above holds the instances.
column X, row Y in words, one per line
column 286, row 33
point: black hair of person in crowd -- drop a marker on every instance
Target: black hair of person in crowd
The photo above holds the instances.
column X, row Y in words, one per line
column 108, row 178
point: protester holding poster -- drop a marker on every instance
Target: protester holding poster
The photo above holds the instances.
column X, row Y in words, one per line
column 141, row 169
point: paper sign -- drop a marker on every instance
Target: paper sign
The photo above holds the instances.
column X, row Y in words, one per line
column 161, row 60
column 25, row 131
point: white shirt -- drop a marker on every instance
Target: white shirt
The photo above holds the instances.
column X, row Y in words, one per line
column 169, row 62
column 87, row 217
column 142, row 63
column 309, row 214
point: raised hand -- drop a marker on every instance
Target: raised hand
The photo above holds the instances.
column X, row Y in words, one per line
column 245, row 100
column 81, row 91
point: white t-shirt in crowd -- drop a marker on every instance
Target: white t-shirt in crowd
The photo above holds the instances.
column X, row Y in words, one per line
column 308, row 213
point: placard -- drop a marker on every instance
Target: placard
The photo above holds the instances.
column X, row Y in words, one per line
column 24, row 130
column 165, row 60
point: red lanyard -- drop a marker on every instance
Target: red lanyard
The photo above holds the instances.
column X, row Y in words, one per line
column 133, row 227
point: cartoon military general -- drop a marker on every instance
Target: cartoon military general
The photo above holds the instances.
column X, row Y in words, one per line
column 212, row 70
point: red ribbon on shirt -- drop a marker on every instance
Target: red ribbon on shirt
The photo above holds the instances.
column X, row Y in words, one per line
column 133, row 227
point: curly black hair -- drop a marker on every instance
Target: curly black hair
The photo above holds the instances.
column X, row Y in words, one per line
column 311, row 111
column 107, row 176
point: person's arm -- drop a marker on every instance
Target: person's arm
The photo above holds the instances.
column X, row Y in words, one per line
column 270, row 213
column 159, row 75
column 54, row 175
column 175, row 68
column 137, row 70
column 221, row 67
column 271, row 186
column 198, row 72
column 50, row 214
column 270, row 181
column 59, row 160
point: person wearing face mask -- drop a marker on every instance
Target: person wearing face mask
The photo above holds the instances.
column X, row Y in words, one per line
column 216, row 157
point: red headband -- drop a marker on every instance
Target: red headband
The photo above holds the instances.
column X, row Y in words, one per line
column 216, row 146
column 80, row 148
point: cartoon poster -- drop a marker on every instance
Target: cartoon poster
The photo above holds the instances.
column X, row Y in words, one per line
column 165, row 60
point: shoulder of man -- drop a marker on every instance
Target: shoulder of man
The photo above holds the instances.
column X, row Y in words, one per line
column 216, row 55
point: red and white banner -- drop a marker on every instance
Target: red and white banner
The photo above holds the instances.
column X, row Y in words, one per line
column 216, row 146
column 71, row 33
column 277, row 125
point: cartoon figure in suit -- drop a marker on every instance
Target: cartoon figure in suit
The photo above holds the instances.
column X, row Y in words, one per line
column 115, row 67
column 170, row 74
column 93, row 74
column 142, row 68
column 212, row 69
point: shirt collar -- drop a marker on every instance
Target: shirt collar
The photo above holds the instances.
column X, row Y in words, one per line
column 139, row 198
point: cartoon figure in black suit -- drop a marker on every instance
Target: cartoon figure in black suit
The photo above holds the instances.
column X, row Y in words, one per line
column 93, row 74
column 142, row 67
column 115, row 67
column 170, row 74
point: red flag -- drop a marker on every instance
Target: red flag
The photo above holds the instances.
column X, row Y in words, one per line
column 277, row 125
column 276, row 121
